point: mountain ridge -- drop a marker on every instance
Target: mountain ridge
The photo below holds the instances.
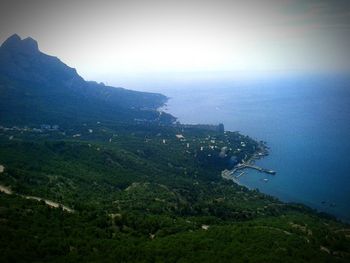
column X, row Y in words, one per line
column 29, row 77
column 123, row 187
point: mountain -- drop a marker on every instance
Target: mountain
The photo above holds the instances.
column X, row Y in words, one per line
column 36, row 88
column 132, row 191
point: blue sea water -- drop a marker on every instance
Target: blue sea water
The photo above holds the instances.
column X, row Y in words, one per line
column 305, row 122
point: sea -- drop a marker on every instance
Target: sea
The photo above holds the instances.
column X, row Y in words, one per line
column 305, row 121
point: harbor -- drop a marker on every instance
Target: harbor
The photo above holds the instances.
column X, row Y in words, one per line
column 252, row 166
column 249, row 164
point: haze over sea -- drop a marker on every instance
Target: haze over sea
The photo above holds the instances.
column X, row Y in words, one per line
column 304, row 120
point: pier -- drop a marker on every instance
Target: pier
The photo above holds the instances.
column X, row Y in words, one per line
column 230, row 174
column 252, row 166
column 263, row 170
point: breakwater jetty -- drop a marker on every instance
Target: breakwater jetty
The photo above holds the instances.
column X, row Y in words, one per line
column 249, row 163
column 252, row 166
column 230, row 174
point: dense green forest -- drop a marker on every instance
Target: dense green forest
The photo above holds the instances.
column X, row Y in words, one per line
column 147, row 193
column 111, row 178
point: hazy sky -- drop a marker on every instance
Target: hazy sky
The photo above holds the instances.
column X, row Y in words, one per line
column 102, row 38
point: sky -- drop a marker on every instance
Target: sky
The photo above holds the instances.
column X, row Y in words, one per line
column 103, row 39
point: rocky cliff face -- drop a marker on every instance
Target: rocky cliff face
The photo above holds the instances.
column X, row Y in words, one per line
column 35, row 87
column 22, row 60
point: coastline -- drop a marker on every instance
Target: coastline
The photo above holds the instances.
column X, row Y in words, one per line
column 248, row 164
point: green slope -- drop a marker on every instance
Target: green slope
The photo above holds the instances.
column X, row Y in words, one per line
column 140, row 194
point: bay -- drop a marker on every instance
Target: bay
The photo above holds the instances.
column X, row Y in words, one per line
column 304, row 120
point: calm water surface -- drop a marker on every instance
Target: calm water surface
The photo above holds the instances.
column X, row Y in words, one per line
column 306, row 123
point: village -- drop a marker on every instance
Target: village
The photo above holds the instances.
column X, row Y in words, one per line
column 210, row 145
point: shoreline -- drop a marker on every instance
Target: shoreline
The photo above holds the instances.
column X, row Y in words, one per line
column 250, row 163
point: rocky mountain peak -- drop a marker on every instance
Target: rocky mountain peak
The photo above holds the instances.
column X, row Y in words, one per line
column 27, row 45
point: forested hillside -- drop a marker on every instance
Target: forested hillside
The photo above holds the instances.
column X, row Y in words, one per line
column 90, row 173
column 142, row 193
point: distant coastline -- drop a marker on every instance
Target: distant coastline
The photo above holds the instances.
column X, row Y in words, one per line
column 304, row 121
